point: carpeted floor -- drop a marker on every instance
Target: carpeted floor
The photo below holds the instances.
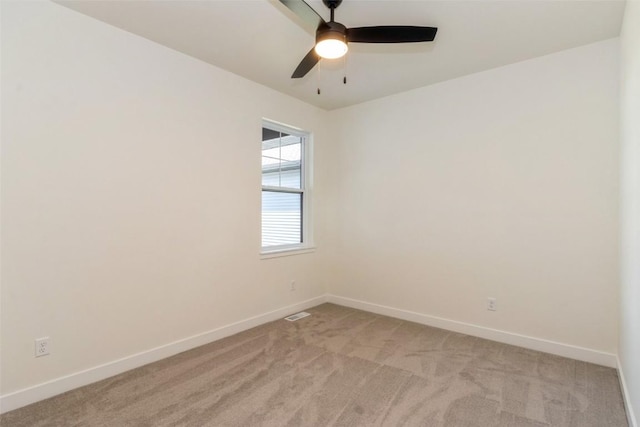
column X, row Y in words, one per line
column 344, row 367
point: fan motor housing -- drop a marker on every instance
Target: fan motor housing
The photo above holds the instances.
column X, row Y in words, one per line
column 333, row 30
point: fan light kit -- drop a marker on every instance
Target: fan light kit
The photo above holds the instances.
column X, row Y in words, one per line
column 332, row 38
column 331, row 48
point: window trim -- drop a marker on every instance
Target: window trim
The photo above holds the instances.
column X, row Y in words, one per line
column 305, row 191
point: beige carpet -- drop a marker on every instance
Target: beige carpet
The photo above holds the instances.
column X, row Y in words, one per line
column 344, row 367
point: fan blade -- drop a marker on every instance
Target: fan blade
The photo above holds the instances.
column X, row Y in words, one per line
column 307, row 63
column 305, row 12
column 391, row 34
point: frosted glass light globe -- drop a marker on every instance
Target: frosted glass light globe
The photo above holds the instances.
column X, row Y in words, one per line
column 331, row 48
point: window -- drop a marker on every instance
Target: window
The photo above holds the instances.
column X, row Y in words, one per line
column 285, row 194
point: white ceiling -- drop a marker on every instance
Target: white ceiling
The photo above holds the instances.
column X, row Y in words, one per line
column 264, row 42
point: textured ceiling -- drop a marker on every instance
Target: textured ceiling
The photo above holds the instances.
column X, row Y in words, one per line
column 264, row 42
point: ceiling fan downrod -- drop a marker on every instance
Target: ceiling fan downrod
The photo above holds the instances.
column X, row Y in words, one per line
column 332, row 5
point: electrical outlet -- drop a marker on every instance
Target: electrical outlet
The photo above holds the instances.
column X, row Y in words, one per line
column 42, row 346
column 292, row 285
column 492, row 304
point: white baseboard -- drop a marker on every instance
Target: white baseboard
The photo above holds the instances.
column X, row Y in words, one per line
column 631, row 417
column 559, row 349
column 60, row 385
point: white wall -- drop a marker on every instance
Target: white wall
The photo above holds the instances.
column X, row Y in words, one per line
column 629, row 350
column 131, row 195
column 501, row 184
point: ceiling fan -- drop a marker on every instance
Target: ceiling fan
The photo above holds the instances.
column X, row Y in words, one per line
column 332, row 37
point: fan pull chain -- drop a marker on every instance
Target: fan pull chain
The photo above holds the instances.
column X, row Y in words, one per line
column 344, row 66
column 318, row 77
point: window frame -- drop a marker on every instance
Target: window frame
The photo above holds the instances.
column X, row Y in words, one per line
column 306, row 245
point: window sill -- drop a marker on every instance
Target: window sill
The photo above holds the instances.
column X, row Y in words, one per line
column 286, row 252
